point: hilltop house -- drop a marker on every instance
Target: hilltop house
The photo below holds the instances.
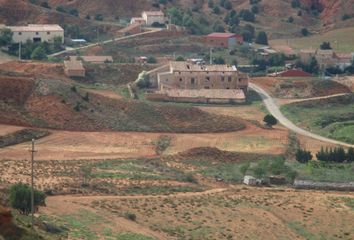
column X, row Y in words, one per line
column 188, row 82
column 149, row 17
column 223, row 39
column 36, row 33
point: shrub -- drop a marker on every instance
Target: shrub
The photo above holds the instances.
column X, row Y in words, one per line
column 262, row 38
column 345, row 17
column 5, row 37
column 303, row 156
column 99, row 17
column 244, row 168
column 162, row 144
column 260, row 170
column 20, row 198
column 326, row 46
column 73, row 88
column 86, row 97
column 179, row 59
column 270, row 120
column 151, row 60
column 39, row 53
column 77, row 107
column 130, row 216
column 304, row 32
column 45, row 5
column 143, row 80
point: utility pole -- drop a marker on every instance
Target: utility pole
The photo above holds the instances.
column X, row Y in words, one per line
column 211, row 56
column 19, row 51
column 33, row 151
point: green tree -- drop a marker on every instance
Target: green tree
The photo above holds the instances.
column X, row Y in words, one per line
column 179, row 59
column 304, row 32
column 295, row 3
column 39, row 53
column 5, row 37
column 244, row 168
column 270, row 120
column 260, row 170
column 262, row 38
column 350, row 155
column 143, row 80
column 326, row 46
column 303, row 156
column 20, row 198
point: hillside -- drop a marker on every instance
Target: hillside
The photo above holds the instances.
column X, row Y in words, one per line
column 50, row 100
column 271, row 15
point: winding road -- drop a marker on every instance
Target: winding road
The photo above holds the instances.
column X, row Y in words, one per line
column 275, row 111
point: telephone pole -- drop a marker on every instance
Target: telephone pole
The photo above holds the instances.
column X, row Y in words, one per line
column 33, row 151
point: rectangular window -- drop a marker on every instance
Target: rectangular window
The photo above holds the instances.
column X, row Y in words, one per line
column 222, row 78
column 180, row 79
column 192, row 80
column 48, row 33
column 229, row 78
column 37, row 33
column 207, row 78
column 19, row 33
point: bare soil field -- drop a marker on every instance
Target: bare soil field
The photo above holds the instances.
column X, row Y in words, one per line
column 234, row 213
column 293, row 88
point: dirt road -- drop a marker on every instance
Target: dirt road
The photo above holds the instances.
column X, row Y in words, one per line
column 275, row 111
column 105, row 42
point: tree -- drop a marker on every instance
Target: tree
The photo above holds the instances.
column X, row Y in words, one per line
column 304, row 32
column 39, row 53
column 350, row 155
column 303, row 156
column 326, row 46
column 85, row 172
column 99, row 17
column 270, row 120
column 244, row 168
column 260, row 170
column 151, row 60
column 45, row 5
column 5, row 37
column 216, row 10
column 210, row 3
column 254, row 9
column 20, row 198
column 143, row 80
column 247, row 15
column 179, row 59
column 290, row 19
column 295, row 3
column 262, row 38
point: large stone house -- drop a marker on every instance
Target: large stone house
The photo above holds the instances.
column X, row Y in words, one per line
column 202, row 83
column 36, row 33
column 326, row 58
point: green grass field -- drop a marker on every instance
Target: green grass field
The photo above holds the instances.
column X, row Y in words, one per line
column 332, row 117
column 341, row 40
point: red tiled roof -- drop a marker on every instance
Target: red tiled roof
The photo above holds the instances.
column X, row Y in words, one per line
column 293, row 73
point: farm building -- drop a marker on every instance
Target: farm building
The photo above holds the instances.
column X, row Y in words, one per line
column 36, row 33
column 149, row 17
column 188, row 82
column 326, row 58
column 252, row 181
column 97, row 59
column 223, row 39
column 184, row 75
column 74, row 68
column 291, row 73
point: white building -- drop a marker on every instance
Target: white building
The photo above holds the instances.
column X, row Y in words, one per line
column 151, row 17
column 36, row 33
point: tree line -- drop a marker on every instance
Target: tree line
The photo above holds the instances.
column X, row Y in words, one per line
column 336, row 155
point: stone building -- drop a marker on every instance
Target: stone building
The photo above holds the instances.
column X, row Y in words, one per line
column 184, row 75
column 36, row 33
column 188, row 82
column 74, row 68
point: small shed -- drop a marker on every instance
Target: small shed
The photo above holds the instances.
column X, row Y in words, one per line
column 74, row 68
column 250, row 180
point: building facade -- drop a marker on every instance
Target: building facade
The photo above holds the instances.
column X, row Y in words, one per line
column 223, row 39
column 74, row 68
column 36, row 33
column 184, row 75
column 151, row 17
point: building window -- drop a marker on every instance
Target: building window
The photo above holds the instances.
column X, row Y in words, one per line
column 207, row 78
column 239, row 79
column 222, row 78
column 19, row 33
column 37, row 33
column 192, row 80
column 206, row 87
column 180, row 79
column 48, row 33
column 229, row 78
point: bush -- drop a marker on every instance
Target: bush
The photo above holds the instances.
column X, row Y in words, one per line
column 130, row 216
column 143, row 80
column 151, row 60
column 162, row 144
column 99, row 17
column 244, row 168
column 20, row 198
column 86, row 97
column 262, row 38
column 260, row 170
column 5, row 37
column 270, row 120
column 304, row 32
column 179, row 59
column 39, row 53
column 303, row 156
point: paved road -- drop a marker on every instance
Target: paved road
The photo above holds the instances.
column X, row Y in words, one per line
column 105, row 42
column 274, row 110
